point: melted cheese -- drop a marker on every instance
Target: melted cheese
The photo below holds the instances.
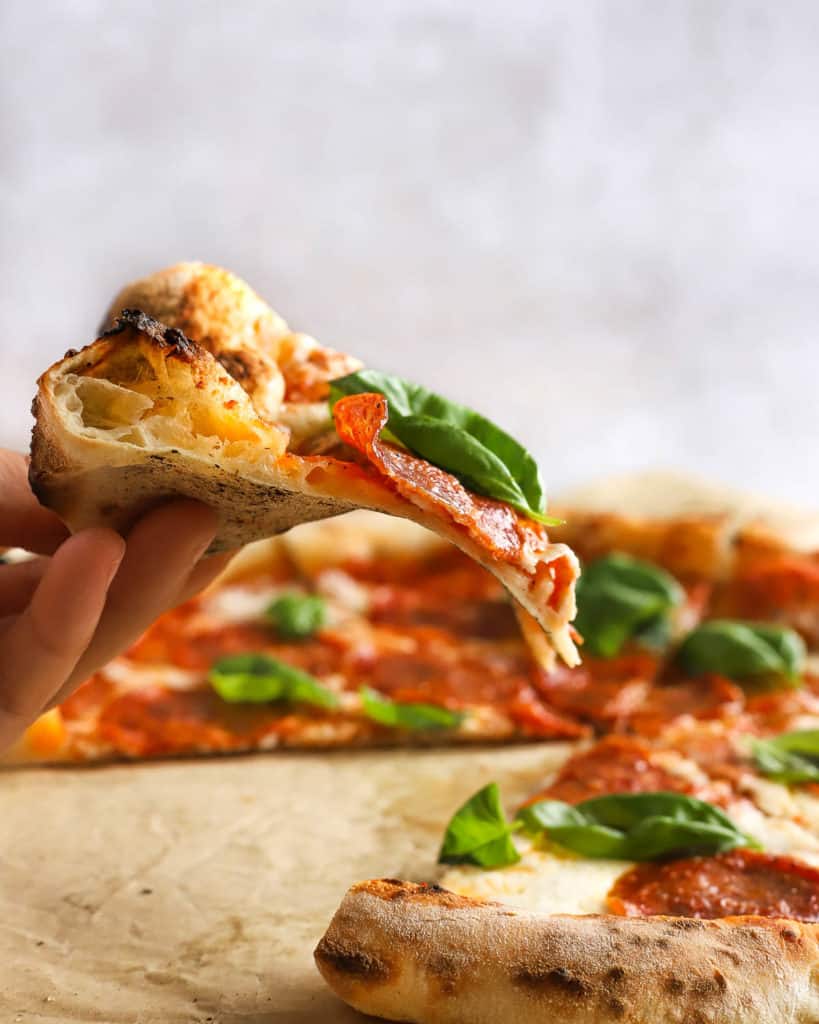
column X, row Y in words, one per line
column 541, row 881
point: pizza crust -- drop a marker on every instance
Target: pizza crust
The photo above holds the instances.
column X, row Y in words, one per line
column 419, row 953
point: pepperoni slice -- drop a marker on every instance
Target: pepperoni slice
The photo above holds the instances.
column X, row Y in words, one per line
column 604, row 691
column 737, row 883
column 156, row 722
column 617, row 764
column 493, row 525
column 709, row 696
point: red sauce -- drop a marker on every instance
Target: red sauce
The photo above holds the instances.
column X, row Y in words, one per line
column 616, row 764
column 737, row 883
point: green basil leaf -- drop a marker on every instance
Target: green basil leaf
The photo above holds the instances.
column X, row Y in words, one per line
column 406, row 716
column 620, row 598
column 791, row 757
column 485, row 458
column 479, row 833
column 743, row 650
column 635, row 826
column 259, row 679
column 297, row 616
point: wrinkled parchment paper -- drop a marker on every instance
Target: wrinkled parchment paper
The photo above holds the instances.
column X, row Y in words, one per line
column 194, row 892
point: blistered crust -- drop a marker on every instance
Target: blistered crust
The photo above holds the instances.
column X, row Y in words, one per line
column 419, row 953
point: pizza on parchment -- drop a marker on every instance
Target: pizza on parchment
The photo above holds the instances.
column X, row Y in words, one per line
column 272, row 430
column 668, row 870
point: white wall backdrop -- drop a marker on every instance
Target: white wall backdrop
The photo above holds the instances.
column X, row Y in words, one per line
column 596, row 221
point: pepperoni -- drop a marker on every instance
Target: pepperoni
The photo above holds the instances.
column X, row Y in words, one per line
column 616, row 764
column 603, row 691
column 738, row 883
column 709, row 696
column 156, row 721
column 493, row 525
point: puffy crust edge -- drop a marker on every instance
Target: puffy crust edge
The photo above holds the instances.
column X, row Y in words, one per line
column 420, row 953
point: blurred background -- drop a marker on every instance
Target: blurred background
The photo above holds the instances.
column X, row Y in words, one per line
column 595, row 221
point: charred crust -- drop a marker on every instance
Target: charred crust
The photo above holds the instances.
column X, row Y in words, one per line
column 675, row 986
column 557, row 979
column 353, row 963
column 160, row 335
column 615, row 975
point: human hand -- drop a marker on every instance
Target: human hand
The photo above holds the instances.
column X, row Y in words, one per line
column 62, row 617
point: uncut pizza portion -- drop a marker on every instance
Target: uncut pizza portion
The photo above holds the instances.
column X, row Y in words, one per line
column 361, row 631
column 666, row 872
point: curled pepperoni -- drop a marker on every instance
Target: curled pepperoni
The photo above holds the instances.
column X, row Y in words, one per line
column 496, row 527
column 616, row 764
column 737, row 883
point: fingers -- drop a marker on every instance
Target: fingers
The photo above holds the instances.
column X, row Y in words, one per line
column 18, row 583
column 41, row 647
column 162, row 552
column 24, row 523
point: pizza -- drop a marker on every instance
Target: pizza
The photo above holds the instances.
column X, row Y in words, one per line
column 272, row 430
column 364, row 630
column 667, row 869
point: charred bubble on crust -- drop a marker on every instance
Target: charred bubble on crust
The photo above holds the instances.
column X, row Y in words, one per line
column 556, row 978
column 161, row 335
column 354, row 963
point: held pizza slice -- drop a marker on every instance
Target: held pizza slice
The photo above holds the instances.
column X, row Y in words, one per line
column 241, row 421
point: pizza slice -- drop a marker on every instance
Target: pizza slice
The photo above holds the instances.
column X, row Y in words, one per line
column 254, row 421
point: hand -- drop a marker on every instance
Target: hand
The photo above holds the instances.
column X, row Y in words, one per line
column 63, row 617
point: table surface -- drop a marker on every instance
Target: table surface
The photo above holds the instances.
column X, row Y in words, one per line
column 596, row 223
column 195, row 893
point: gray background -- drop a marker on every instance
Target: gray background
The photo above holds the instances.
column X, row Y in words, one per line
column 596, row 222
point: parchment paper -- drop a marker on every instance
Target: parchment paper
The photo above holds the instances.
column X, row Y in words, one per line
column 193, row 892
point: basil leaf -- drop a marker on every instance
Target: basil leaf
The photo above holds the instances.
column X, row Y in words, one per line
column 743, row 650
column 792, row 757
column 485, row 458
column 620, row 598
column 406, row 716
column 297, row 616
column 259, row 679
column 635, row 826
column 479, row 833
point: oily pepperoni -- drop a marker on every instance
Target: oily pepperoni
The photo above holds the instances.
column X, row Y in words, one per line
column 737, row 883
column 157, row 721
column 616, row 764
column 493, row 525
column 603, row 691
column 709, row 696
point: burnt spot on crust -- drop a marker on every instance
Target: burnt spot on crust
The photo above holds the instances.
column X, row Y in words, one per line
column 237, row 364
column 160, row 335
column 558, row 979
column 615, row 975
column 675, row 986
column 354, row 963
